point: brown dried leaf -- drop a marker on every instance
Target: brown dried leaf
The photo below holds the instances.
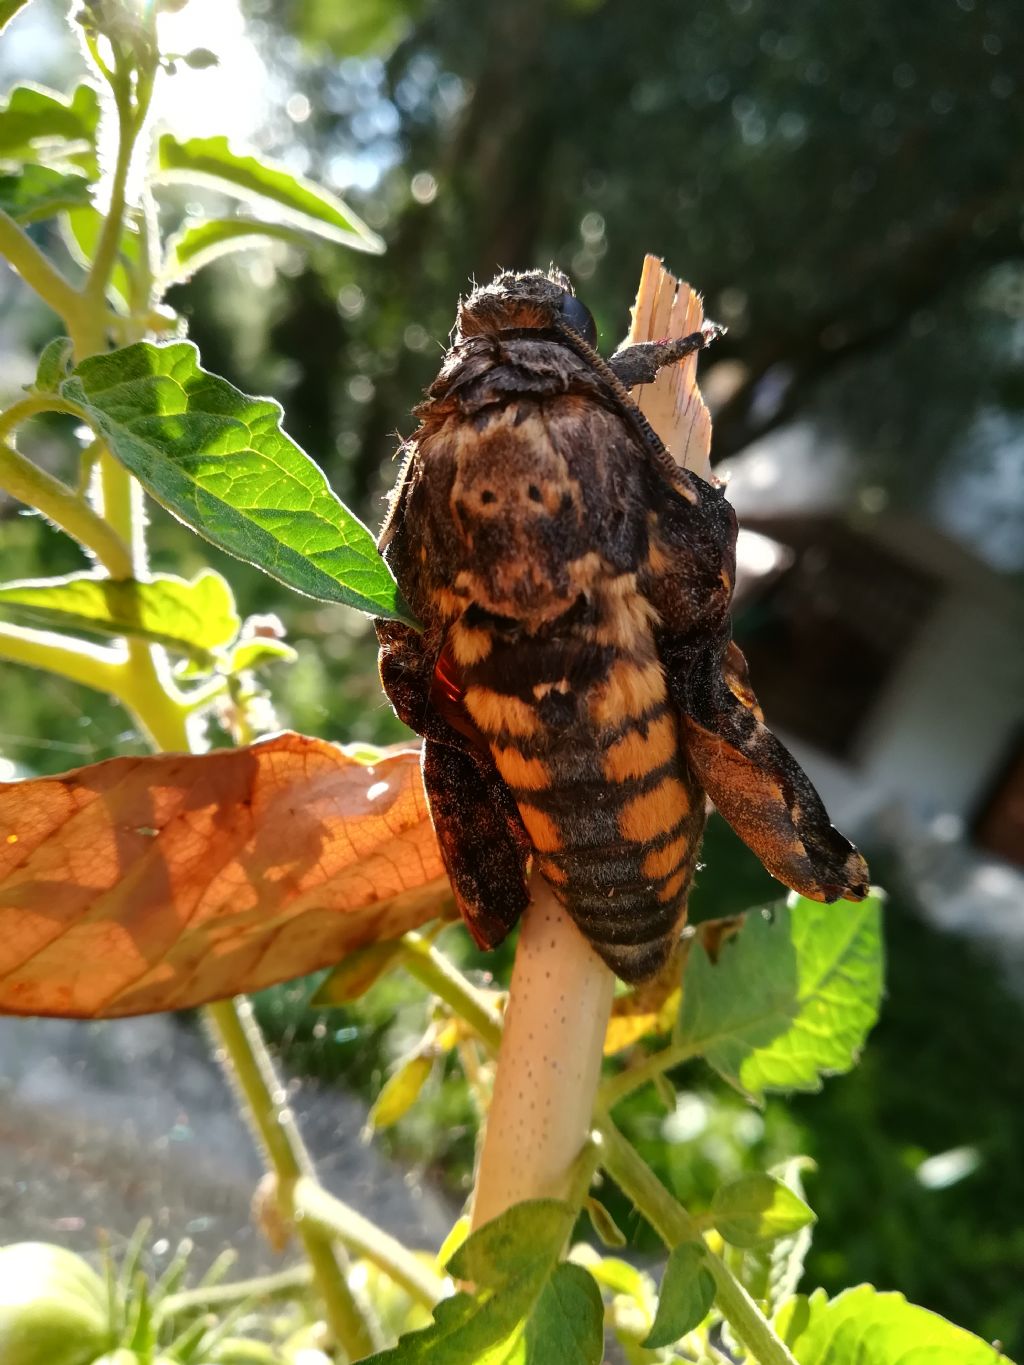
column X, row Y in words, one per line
column 666, row 308
column 146, row 884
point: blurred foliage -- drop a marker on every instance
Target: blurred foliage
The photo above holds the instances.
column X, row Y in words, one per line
column 941, row 1081
column 841, row 192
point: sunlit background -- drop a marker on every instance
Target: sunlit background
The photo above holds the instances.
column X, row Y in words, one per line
column 846, row 186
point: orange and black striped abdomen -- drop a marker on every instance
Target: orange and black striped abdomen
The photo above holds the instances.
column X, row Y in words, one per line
column 582, row 731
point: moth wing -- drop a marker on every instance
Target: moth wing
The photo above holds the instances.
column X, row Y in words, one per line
column 483, row 844
column 754, row 781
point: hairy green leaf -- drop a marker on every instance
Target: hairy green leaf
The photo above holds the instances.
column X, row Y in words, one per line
column 219, row 461
column 619, row 1276
column 354, row 976
column 210, row 160
column 756, row 1209
column 524, row 1241
column 247, row 655
column 791, row 997
column 8, row 9
column 400, row 1092
column 686, row 1295
column 772, row 1272
column 39, row 123
column 566, row 1326
column 603, row 1223
column 257, row 653
column 54, row 361
column 81, row 228
column 526, row 1308
column 40, row 192
column 865, row 1327
column 195, row 245
column 187, row 618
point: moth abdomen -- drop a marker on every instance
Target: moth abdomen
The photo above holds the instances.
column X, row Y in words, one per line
column 601, row 787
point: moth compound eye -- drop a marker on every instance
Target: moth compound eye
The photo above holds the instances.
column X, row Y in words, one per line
column 579, row 318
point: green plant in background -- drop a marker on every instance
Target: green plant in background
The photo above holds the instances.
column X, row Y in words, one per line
column 789, row 1001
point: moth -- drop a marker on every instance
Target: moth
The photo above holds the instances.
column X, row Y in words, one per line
column 575, row 682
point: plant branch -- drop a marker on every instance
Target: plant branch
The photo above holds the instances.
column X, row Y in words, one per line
column 250, row 1067
column 318, row 1208
column 91, row 665
column 674, row 1225
column 33, row 486
column 289, row 1283
column 32, row 406
column 616, row 1088
column 129, row 124
column 433, row 970
column 37, row 272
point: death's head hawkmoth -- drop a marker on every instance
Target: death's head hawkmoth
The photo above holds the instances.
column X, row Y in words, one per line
column 576, row 683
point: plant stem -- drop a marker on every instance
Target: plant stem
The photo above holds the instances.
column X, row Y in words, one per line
column 674, row 1225
column 32, row 406
column 37, row 272
column 320, row 1209
column 130, row 121
column 252, row 1070
column 616, row 1088
column 82, row 662
column 285, row 1284
column 433, row 970
column 33, row 486
column 549, row 1062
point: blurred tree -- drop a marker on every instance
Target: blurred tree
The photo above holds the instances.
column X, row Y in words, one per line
column 842, row 192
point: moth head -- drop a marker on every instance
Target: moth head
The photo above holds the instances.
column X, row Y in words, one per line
column 526, row 300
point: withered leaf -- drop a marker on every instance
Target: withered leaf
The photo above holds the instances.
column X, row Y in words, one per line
column 159, row 883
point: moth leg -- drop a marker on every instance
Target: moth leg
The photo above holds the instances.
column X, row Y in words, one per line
column 406, row 670
column 755, row 783
column 483, row 843
column 640, row 363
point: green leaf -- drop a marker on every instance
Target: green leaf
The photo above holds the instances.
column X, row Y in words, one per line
column 756, row 1209
column 620, row 1277
column 8, row 9
column 198, row 244
column 772, row 1272
column 865, row 1327
column 400, row 1092
column 35, row 193
column 54, row 360
column 359, row 26
column 36, row 121
column 791, row 998
column 354, row 976
column 248, row 655
column 185, row 617
column 566, row 1326
column 603, row 1223
column 81, row 228
column 220, row 462
column 256, row 653
column 686, row 1295
column 524, row 1241
column 40, row 192
column 527, row 1308
column 211, row 161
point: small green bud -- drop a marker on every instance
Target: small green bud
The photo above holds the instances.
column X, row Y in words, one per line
column 200, row 58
